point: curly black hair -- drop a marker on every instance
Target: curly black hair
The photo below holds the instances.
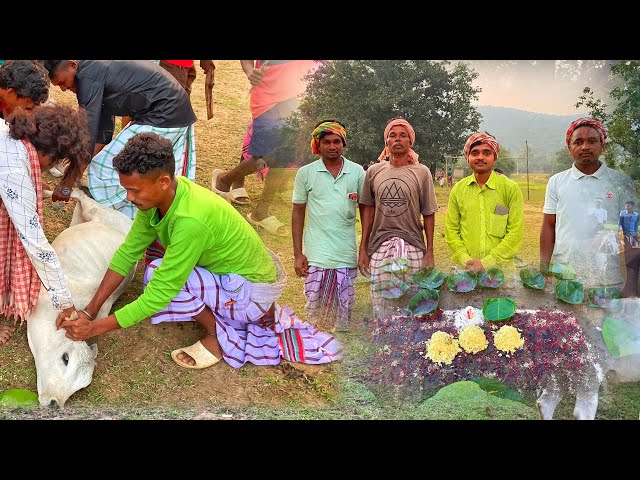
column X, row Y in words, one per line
column 146, row 153
column 58, row 131
column 27, row 78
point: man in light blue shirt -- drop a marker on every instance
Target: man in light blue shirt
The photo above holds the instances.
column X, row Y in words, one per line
column 329, row 189
column 628, row 224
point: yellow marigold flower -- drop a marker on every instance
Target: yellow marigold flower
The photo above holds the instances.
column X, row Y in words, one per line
column 508, row 339
column 442, row 348
column 472, row 339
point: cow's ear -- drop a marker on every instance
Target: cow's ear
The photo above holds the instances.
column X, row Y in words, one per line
column 94, row 349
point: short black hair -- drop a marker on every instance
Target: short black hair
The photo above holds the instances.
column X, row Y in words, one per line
column 630, row 202
column 52, row 66
column 146, row 153
column 27, row 78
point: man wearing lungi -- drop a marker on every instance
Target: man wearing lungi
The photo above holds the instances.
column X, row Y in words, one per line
column 139, row 89
column 395, row 194
column 328, row 191
column 215, row 270
column 276, row 86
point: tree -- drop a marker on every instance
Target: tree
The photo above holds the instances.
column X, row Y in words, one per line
column 623, row 124
column 564, row 160
column 435, row 97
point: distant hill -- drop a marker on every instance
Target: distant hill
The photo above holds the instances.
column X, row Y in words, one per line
column 511, row 127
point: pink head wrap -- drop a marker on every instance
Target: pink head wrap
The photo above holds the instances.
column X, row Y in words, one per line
column 587, row 122
column 412, row 138
column 484, row 138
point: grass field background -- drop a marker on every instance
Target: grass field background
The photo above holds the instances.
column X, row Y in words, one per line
column 136, row 378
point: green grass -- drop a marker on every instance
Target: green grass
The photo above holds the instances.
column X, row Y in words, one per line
column 136, row 378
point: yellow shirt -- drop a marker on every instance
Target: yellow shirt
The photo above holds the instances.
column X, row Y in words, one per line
column 475, row 229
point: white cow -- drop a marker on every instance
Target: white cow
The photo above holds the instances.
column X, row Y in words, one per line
column 607, row 369
column 64, row 366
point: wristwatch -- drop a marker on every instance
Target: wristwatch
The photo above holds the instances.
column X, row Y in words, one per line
column 66, row 191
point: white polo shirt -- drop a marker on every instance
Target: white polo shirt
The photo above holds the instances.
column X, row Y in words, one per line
column 570, row 195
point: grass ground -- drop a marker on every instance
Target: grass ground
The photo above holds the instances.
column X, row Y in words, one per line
column 136, row 378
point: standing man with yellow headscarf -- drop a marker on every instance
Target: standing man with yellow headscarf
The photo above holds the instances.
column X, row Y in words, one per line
column 484, row 226
column 330, row 188
column 395, row 195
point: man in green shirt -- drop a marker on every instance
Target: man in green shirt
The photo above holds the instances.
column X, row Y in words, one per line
column 327, row 190
column 215, row 270
column 484, row 225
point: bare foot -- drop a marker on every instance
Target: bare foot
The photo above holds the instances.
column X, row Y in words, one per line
column 210, row 343
column 222, row 184
column 6, row 332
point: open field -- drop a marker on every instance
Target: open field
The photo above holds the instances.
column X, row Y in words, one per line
column 135, row 376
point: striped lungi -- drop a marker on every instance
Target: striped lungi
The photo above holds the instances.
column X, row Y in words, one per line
column 408, row 256
column 247, row 332
column 330, row 295
column 104, row 183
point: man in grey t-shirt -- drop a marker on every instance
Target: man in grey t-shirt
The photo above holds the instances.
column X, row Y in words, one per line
column 396, row 193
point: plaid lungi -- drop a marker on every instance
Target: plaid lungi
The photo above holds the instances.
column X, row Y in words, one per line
column 104, row 183
column 330, row 295
column 395, row 248
column 247, row 332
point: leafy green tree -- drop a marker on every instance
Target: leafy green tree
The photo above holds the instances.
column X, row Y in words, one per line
column 623, row 123
column 505, row 161
column 434, row 96
column 564, row 160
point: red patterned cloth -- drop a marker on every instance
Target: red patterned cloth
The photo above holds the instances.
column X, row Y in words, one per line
column 484, row 138
column 399, row 122
column 19, row 280
column 327, row 127
column 587, row 122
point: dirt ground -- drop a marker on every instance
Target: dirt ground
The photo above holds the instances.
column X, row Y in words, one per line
column 134, row 371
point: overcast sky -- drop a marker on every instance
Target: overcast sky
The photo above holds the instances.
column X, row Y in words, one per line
column 546, row 86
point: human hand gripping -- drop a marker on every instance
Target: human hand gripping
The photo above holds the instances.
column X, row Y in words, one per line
column 255, row 77
column 301, row 265
column 428, row 260
column 363, row 263
column 79, row 325
column 474, row 265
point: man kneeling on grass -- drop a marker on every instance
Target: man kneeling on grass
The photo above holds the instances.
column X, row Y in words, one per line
column 215, row 270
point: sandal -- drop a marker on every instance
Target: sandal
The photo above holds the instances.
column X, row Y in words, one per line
column 203, row 357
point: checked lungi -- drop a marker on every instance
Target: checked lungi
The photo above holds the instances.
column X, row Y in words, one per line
column 247, row 332
column 103, row 179
column 409, row 256
column 330, row 295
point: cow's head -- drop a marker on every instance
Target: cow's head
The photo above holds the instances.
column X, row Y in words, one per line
column 64, row 369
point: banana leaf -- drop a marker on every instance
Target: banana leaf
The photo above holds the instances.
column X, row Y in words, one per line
column 391, row 289
column 394, row 265
column 570, row 291
column 620, row 338
column 532, row 278
column 462, row 282
column 491, row 278
column 19, row 397
column 498, row 309
column 563, row 271
column 605, row 297
column 424, row 302
column 429, row 277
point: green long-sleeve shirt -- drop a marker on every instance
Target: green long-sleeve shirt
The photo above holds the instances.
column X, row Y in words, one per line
column 473, row 227
column 200, row 228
